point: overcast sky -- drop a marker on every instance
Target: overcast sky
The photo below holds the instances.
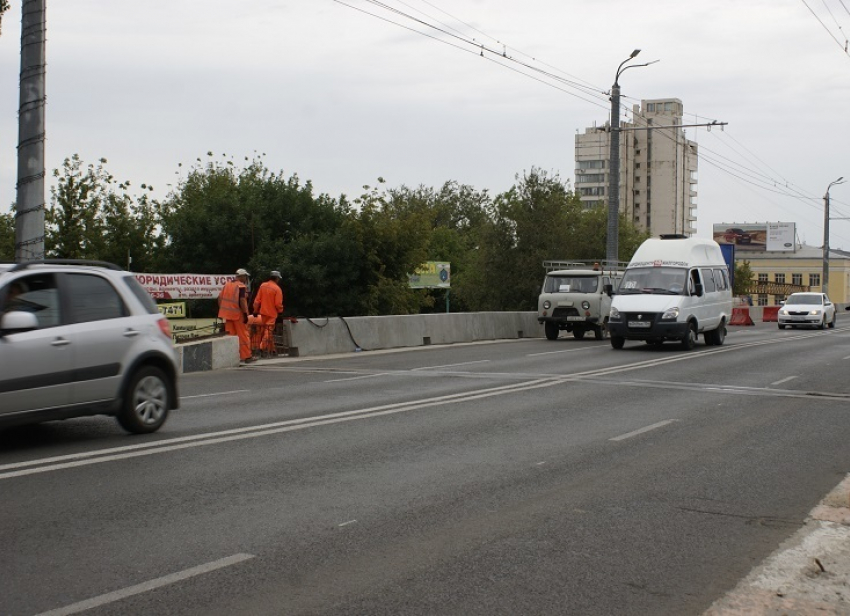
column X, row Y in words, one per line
column 341, row 97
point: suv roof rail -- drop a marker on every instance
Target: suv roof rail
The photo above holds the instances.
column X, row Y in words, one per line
column 26, row 264
column 600, row 264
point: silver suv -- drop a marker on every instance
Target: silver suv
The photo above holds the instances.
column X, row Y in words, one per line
column 83, row 338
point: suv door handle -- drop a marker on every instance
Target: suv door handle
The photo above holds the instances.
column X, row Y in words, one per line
column 60, row 342
column 128, row 333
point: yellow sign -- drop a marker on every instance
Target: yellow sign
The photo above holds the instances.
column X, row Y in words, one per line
column 173, row 310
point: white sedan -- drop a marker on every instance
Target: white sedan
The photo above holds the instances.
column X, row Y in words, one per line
column 807, row 309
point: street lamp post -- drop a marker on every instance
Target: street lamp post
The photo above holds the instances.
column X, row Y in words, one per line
column 612, row 244
column 825, row 284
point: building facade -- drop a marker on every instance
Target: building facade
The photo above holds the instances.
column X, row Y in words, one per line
column 658, row 168
column 803, row 267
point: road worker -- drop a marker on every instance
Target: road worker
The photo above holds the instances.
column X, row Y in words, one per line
column 233, row 309
column 268, row 305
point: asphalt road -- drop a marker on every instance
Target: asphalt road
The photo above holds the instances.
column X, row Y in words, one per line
column 516, row 477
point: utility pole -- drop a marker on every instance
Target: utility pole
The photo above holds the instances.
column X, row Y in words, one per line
column 825, row 282
column 29, row 207
column 612, row 246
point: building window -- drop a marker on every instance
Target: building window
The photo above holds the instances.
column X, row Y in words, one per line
column 797, row 279
column 762, row 278
column 814, row 280
column 779, row 278
column 762, row 300
column 650, row 107
column 637, row 165
column 590, row 178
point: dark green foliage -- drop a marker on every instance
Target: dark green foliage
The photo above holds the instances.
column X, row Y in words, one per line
column 336, row 257
column 7, row 237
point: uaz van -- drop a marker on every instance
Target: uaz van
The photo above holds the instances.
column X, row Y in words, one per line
column 674, row 288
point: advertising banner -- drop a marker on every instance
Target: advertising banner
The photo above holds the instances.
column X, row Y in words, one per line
column 757, row 237
column 183, row 286
column 432, row 275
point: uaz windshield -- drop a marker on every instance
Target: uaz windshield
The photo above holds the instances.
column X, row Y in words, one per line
column 658, row 280
column 571, row 284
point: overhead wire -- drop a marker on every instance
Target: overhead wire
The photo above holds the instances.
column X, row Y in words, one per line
column 736, row 170
column 825, row 27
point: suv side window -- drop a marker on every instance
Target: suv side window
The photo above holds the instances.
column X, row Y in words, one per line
column 38, row 294
column 93, row 298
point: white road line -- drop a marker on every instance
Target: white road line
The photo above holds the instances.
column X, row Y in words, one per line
column 220, row 393
column 466, row 363
column 848, row 357
column 118, row 595
column 237, row 434
column 355, row 378
column 785, row 380
column 347, row 523
column 655, row 426
column 588, row 348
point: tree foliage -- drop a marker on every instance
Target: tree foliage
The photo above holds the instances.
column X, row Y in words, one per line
column 337, row 257
column 7, row 237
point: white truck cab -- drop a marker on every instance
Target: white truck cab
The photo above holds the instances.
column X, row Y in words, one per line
column 674, row 288
column 576, row 298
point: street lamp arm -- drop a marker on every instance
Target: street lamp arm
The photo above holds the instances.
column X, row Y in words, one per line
column 622, row 70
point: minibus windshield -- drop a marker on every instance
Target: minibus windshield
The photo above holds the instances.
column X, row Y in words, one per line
column 657, row 280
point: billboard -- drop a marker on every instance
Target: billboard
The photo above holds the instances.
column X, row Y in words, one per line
column 758, row 237
column 432, row 275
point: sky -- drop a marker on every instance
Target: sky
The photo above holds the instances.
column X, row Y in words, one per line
column 343, row 92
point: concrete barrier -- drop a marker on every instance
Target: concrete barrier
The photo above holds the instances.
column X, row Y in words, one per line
column 209, row 354
column 770, row 314
column 323, row 336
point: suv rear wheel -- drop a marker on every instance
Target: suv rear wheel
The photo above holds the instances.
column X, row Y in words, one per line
column 146, row 402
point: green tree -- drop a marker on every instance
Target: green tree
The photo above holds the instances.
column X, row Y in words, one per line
column 743, row 278
column 7, row 237
column 74, row 230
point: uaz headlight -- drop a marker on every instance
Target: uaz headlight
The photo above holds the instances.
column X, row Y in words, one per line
column 585, row 305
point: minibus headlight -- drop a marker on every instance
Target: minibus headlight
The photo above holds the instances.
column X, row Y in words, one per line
column 614, row 315
column 671, row 314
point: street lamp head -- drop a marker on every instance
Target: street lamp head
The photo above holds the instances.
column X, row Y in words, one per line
column 634, row 53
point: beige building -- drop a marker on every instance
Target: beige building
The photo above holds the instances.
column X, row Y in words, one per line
column 803, row 267
column 658, row 168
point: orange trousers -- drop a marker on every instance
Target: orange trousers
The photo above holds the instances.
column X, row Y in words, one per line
column 237, row 328
column 267, row 343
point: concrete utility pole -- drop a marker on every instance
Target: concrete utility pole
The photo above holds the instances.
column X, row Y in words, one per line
column 613, row 241
column 29, row 209
column 825, row 282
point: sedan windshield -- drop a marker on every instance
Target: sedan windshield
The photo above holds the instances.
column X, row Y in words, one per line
column 809, row 300
column 658, row 280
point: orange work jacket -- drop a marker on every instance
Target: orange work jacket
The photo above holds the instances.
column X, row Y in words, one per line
column 269, row 300
column 228, row 307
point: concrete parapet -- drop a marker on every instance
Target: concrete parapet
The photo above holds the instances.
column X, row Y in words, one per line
column 323, row 336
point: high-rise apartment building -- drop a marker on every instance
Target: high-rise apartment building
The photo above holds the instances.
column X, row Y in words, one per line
column 658, row 168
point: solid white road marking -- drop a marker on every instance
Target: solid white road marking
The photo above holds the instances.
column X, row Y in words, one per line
column 118, row 595
column 785, row 380
column 587, row 348
column 220, row 393
column 466, row 363
column 347, row 523
column 655, row 426
column 355, row 378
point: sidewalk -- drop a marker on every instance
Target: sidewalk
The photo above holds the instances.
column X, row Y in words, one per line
column 808, row 574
